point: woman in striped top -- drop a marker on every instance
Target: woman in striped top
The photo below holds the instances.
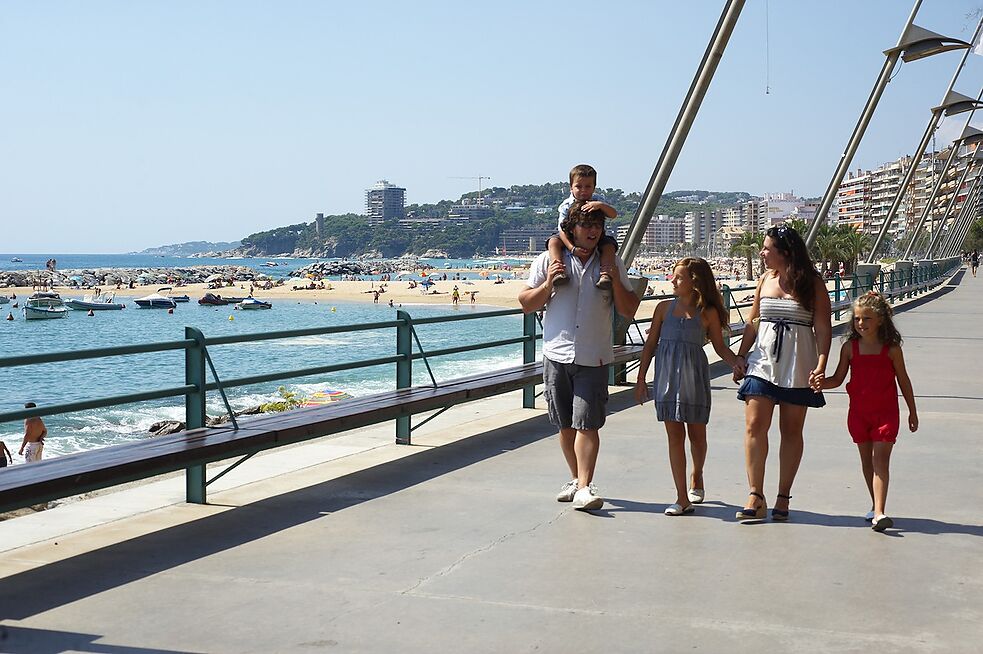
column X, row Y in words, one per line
column 785, row 346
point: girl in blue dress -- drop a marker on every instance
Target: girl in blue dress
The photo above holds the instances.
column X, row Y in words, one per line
column 681, row 387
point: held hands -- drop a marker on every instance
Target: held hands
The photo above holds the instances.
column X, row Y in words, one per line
column 641, row 391
column 816, row 379
column 739, row 368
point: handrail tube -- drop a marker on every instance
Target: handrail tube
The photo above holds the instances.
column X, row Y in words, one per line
column 470, row 348
column 489, row 314
column 303, row 372
column 94, row 353
column 294, row 333
column 113, row 400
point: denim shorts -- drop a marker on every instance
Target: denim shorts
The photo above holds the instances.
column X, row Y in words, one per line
column 755, row 386
column 576, row 396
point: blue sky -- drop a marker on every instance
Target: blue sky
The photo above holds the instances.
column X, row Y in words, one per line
column 128, row 125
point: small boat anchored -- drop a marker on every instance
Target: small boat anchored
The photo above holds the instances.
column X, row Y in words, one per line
column 95, row 302
column 16, row 260
column 44, row 306
column 157, row 300
column 253, row 303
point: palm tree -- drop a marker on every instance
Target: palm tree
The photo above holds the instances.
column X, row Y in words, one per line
column 827, row 246
column 747, row 245
column 855, row 243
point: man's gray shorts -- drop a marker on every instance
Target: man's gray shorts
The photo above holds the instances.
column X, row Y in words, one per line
column 576, row 396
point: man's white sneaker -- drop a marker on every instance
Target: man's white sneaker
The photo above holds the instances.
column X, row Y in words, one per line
column 567, row 492
column 587, row 499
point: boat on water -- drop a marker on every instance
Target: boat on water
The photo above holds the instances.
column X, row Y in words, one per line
column 4, row 299
column 16, row 260
column 180, row 298
column 270, row 264
column 157, row 300
column 44, row 306
column 253, row 303
column 95, row 302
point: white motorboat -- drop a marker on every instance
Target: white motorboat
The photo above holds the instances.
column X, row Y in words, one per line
column 4, row 299
column 253, row 303
column 156, row 300
column 95, row 302
column 44, row 306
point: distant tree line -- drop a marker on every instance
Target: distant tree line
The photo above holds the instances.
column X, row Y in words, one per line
column 350, row 234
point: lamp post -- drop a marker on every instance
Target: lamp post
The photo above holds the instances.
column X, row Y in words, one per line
column 952, row 104
column 915, row 43
column 969, row 136
column 960, row 225
column 974, row 162
column 680, row 129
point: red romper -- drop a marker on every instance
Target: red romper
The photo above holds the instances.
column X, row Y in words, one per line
column 873, row 392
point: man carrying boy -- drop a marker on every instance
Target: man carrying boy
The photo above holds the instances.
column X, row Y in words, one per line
column 583, row 180
column 34, row 433
column 577, row 344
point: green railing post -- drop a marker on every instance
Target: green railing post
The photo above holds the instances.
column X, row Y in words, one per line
column 836, row 289
column 194, row 409
column 880, row 282
column 529, row 356
column 404, row 370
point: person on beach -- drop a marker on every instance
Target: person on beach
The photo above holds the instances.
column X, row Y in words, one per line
column 785, row 345
column 5, row 456
column 455, row 295
column 577, row 350
column 872, row 353
column 681, row 386
column 583, row 180
column 974, row 260
column 34, row 433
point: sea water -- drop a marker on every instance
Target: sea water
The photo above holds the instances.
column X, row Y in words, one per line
column 71, row 381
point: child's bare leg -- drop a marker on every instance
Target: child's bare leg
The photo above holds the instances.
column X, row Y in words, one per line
column 608, row 253
column 698, row 450
column 556, row 248
column 881, row 464
column 867, row 465
column 676, row 431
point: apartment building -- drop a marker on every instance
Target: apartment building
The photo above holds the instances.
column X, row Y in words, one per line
column 662, row 231
column 385, row 201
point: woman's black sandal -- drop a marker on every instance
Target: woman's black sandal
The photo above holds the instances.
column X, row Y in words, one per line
column 756, row 513
column 779, row 514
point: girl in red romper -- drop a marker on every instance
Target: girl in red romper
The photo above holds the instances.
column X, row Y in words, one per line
column 872, row 352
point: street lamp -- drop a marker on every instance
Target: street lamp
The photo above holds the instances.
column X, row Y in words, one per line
column 969, row 136
column 915, row 43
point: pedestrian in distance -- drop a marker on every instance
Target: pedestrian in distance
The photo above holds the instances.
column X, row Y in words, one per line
column 583, row 181
column 785, row 345
column 872, row 354
column 681, row 387
column 577, row 328
column 974, row 260
column 34, row 432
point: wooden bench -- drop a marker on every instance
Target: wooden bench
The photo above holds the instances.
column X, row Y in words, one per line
column 35, row 483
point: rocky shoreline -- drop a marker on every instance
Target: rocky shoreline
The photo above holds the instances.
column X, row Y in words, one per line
column 109, row 277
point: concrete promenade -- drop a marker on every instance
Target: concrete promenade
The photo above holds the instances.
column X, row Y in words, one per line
column 462, row 548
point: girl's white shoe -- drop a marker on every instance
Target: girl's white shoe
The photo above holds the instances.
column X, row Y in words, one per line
column 696, row 495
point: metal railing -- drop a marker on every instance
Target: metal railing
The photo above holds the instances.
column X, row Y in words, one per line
column 894, row 285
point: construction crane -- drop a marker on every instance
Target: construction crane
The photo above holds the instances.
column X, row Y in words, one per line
column 477, row 177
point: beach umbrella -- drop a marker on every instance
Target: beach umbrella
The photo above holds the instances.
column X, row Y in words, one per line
column 423, row 273
column 484, row 273
column 404, row 273
column 214, row 278
column 427, row 283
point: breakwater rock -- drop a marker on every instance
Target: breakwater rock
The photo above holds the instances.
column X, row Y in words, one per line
column 112, row 276
column 358, row 268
